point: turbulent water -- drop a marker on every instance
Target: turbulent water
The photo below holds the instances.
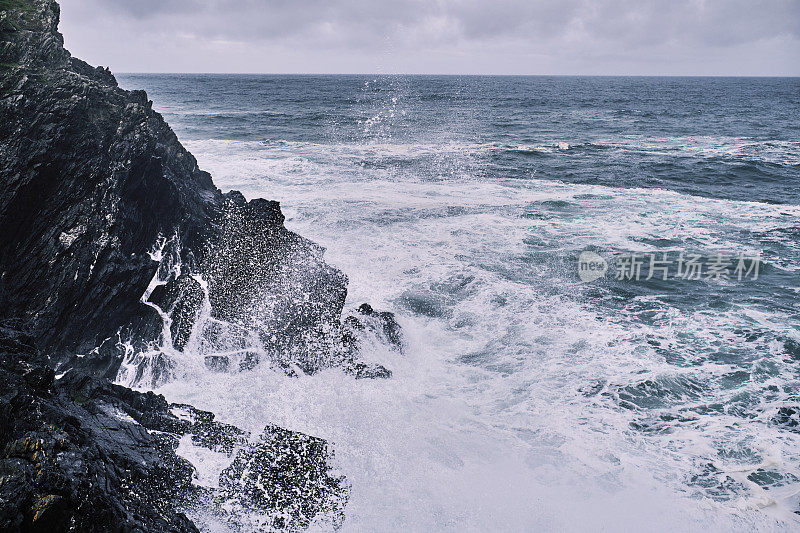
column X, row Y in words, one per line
column 527, row 399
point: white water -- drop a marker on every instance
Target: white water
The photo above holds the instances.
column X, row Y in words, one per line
column 483, row 426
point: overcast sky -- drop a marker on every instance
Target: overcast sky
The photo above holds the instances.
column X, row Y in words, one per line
column 670, row 37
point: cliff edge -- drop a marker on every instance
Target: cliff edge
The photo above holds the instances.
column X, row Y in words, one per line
column 117, row 253
column 112, row 240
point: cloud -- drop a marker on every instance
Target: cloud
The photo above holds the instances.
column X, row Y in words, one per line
column 545, row 32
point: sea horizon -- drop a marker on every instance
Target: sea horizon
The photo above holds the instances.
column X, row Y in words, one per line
column 744, row 76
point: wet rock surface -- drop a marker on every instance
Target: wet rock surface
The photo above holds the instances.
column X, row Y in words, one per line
column 265, row 477
column 74, row 458
column 113, row 242
column 82, row 454
column 91, row 175
column 98, row 198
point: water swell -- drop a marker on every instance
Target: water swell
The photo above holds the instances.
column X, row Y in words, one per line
column 614, row 403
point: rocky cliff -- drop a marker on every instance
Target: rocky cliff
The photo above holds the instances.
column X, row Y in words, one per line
column 101, row 206
column 116, row 253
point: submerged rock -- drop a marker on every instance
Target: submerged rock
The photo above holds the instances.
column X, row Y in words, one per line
column 384, row 323
column 285, row 477
column 370, row 326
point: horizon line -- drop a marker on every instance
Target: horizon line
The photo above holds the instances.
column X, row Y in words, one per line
column 460, row 74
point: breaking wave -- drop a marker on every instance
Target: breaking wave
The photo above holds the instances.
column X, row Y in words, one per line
column 526, row 399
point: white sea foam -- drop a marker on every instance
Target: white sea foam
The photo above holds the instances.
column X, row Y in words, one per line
column 485, row 424
column 778, row 152
column 208, row 463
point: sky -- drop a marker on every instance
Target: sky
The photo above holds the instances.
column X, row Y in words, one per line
column 560, row 37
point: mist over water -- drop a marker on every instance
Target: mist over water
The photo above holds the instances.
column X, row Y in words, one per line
column 526, row 399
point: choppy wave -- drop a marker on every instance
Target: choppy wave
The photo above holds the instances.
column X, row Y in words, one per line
column 635, row 390
column 527, row 399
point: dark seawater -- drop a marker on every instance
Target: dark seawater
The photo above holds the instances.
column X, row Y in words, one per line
column 529, row 399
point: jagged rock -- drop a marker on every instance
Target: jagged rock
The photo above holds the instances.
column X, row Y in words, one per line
column 293, row 300
column 91, row 175
column 74, row 460
column 82, row 454
column 91, row 180
column 385, row 322
column 285, row 476
column 106, row 226
column 380, row 326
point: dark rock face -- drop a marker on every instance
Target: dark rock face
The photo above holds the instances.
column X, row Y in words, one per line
column 92, row 180
column 74, row 459
column 81, row 454
column 116, row 251
column 91, row 175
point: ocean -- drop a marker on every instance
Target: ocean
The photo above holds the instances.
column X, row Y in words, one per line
column 530, row 396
